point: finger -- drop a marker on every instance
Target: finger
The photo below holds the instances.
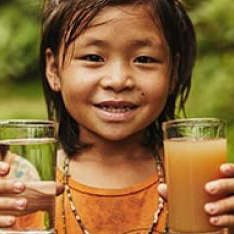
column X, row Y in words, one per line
column 59, row 188
column 12, row 204
column 7, row 221
column 162, row 190
column 227, row 169
column 11, row 186
column 220, row 207
column 4, row 168
column 221, row 186
column 223, row 220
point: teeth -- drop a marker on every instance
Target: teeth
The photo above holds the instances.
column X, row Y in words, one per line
column 116, row 109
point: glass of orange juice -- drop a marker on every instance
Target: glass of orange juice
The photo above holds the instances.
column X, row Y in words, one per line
column 194, row 150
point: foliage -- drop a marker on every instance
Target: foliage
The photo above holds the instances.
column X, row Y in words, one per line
column 212, row 92
column 22, row 100
column 214, row 24
column 19, row 40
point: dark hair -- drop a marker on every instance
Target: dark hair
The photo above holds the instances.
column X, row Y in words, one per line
column 64, row 20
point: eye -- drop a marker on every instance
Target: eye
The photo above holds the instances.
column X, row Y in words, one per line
column 145, row 59
column 92, row 58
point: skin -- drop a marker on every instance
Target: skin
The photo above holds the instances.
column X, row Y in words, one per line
column 15, row 206
column 120, row 85
column 106, row 72
column 106, row 68
column 222, row 211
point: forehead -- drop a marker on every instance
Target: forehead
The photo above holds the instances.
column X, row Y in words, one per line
column 129, row 21
column 113, row 13
column 129, row 26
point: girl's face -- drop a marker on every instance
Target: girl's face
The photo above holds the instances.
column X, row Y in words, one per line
column 115, row 80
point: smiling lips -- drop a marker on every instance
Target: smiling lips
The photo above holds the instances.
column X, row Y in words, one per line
column 116, row 111
column 116, row 106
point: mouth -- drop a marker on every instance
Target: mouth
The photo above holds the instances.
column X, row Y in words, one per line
column 116, row 107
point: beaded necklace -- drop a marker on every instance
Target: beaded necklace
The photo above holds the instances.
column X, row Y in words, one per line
column 84, row 230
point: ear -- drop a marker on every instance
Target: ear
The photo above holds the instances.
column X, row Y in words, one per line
column 174, row 74
column 52, row 71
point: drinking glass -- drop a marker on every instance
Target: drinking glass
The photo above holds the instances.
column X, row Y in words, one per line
column 29, row 146
column 194, row 150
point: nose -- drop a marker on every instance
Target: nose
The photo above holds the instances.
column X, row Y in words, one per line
column 118, row 77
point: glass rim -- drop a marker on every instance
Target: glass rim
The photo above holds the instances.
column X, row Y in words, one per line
column 188, row 121
column 27, row 123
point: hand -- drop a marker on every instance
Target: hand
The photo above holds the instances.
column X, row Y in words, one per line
column 222, row 211
column 15, row 197
column 8, row 203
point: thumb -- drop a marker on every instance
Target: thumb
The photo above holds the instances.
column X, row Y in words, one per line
column 162, row 190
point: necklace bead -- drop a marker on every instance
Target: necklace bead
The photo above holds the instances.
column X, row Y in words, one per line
column 73, row 208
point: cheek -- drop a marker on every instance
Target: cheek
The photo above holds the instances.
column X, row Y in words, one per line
column 142, row 94
column 157, row 95
column 69, row 92
column 72, row 97
column 75, row 88
column 73, row 102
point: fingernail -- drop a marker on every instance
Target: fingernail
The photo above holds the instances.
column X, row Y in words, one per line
column 18, row 187
column 214, row 220
column 226, row 168
column 211, row 208
column 211, row 187
column 10, row 221
column 21, row 204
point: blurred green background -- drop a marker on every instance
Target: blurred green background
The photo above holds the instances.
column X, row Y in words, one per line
column 212, row 93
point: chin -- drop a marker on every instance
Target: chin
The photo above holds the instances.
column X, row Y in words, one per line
column 119, row 137
column 115, row 138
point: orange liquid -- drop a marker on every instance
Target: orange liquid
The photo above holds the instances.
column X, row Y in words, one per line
column 189, row 166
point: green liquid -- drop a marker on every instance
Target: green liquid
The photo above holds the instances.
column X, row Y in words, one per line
column 34, row 162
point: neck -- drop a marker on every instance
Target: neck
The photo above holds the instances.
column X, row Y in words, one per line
column 113, row 164
column 113, row 152
column 102, row 149
column 103, row 167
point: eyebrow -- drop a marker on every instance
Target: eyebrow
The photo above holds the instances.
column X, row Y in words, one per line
column 145, row 43
column 95, row 42
column 136, row 43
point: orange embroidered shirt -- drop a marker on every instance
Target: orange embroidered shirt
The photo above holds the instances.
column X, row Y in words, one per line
column 104, row 211
column 111, row 211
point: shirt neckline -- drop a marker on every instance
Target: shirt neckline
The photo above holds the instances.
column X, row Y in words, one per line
column 86, row 189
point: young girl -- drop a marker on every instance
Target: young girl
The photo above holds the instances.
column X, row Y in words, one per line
column 112, row 72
